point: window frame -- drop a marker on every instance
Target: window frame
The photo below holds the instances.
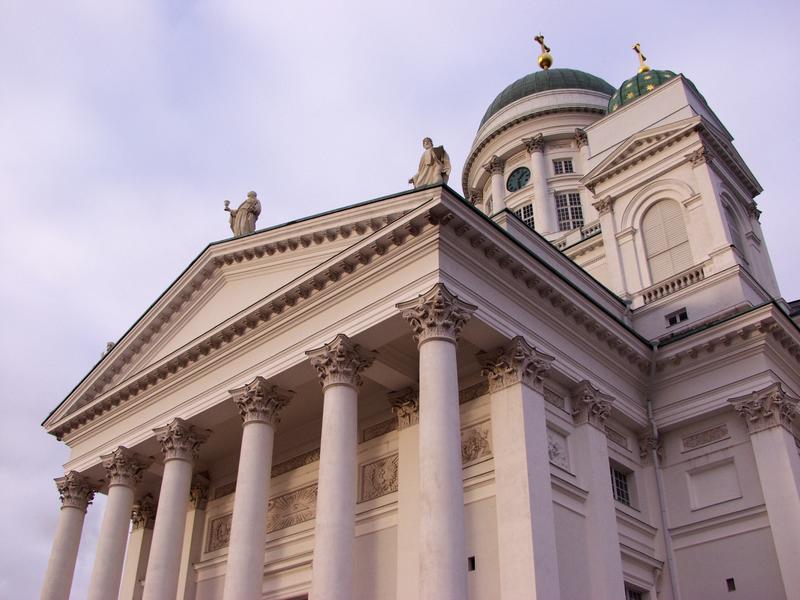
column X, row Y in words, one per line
column 569, row 216
column 563, row 166
column 528, row 220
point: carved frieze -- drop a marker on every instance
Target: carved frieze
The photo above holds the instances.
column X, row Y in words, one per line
column 340, row 362
column 225, row 490
column 476, row 443
column 589, row 405
column 378, row 429
column 123, row 467
column 618, row 438
column 517, row 362
column 378, row 478
column 179, row 440
column 292, row 508
column 143, row 513
column 75, row 490
column 555, row 399
column 705, row 437
column 405, row 406
column 557, row 449
column 473, row 392
column 260, row 402
column 765, row 408
column 437, row 313
column 301, row 460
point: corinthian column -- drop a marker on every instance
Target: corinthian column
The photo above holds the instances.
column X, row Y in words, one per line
column 768, row 414
column 124, row 471
column 495, row 168
column 590, row 409
column 179, row 447
column 76, row 492
column 338, row 365
column 259, row 405
column 526, row 543
column 437, row 318
column 544, row 209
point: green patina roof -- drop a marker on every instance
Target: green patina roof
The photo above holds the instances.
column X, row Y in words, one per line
column 542, row 81
column 638, row 86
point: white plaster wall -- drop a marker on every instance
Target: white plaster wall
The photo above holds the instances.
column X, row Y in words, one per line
column 572, row 553
column 375, row 565
column 481, row 527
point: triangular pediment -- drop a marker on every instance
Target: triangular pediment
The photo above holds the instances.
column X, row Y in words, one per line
column 639, row 145
column 225, row 280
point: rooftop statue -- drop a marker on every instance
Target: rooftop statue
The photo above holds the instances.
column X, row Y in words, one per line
column 243, row 219
column 434, row 165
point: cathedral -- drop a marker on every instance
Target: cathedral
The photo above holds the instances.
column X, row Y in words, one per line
column 572, row 377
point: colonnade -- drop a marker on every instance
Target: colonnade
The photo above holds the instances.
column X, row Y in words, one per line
column 432, row 558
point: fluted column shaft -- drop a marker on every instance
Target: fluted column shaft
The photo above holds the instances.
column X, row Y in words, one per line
column 437, row 318
column 124, row 471
column 179, row 443
column 76, row 493
column 338, row 365
column 259, row 404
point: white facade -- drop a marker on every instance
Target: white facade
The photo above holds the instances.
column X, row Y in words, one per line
column 415, row 397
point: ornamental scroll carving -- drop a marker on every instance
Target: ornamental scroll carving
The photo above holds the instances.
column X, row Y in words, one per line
column 301, row 460
column 379, row 478
column 198, row 493
column 705, row 437
column 405, row 406
column 649, row 442
column 495, row 165
column 292, row 508
column 378, row 429
column 260, row 402
column 517, row 362
column 179, row 440
column 75, row 490
column 436, row 314
column 123, row 467
column 476, row 443
column 581, row 138
column 765, row 408
column 699, row 157
column 589, row 405
column 340, row 362
column 143, row 513
column 603, row 205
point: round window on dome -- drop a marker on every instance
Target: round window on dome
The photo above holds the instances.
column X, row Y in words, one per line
column 518, row 179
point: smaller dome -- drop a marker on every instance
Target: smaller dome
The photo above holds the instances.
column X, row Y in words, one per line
column 640, row 85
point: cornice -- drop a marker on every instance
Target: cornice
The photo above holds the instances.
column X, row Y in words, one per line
column 355, row 257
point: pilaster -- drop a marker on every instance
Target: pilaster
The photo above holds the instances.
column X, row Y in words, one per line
column 143, row 516
column 495, row 168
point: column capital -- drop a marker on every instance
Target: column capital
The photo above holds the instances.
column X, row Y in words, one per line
column 340, row 362
column 753, row 211
column 123, row 467
column 649, row 442
column 534, row 144
column 495, row 165
column 260, row 401
column 143, row 513
column 590, row 405
column 405, row 406
column 475, row 197
column 179, row 440
column 437, row 313
column 75, row 490
column 516, row 362
column 198, row 493
column 766, row 408
column 604, row 205
column 700, row 157
column 581, row 138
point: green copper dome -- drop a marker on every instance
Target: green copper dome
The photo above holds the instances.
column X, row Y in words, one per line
column 542, row 81
column 637, row 86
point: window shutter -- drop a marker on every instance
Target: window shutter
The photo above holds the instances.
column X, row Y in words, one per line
column 666, row 241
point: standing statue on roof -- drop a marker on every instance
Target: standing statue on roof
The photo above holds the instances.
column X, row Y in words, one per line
column 243, row 219
column 434, row 166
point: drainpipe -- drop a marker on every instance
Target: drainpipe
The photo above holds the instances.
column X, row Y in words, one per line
column 662, row 501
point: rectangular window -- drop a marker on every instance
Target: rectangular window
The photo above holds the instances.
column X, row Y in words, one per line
column 569, row 211
column 619, row 483
column 526, row 215
column 631, row 593
column 679, row 316
column 562, row 166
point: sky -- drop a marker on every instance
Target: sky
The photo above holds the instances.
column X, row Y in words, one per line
column 124, row 125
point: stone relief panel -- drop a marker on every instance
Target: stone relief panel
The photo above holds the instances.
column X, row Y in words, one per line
column 296, row 462
column 378, row 478
column 473, row 392
column 292, row 508
column 705, row 437
column 555, row 399
column 476, row 443
column 378, row 429
column 219, row 532
column 618, row 438
column 557, row 449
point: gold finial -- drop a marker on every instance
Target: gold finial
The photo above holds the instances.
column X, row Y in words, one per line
column 545, row 59
column 643, row 68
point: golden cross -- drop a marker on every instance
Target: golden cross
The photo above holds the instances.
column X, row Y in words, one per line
column 642, row 66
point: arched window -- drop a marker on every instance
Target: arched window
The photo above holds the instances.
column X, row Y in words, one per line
column 665, row 240
column 736, row 233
